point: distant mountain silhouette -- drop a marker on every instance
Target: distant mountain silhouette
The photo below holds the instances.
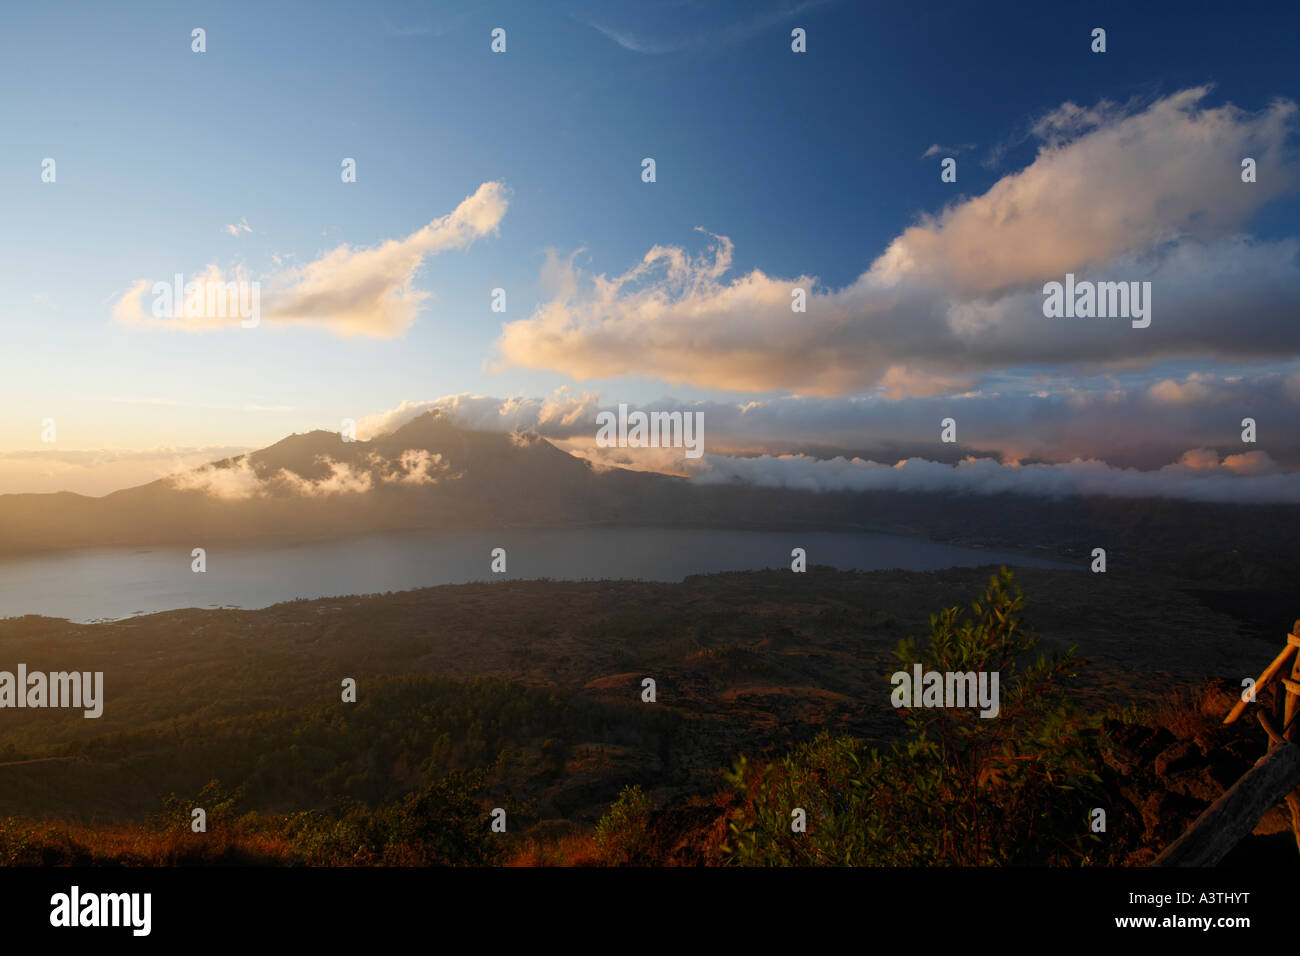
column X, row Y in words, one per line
column 427, row 474
column 431, row 475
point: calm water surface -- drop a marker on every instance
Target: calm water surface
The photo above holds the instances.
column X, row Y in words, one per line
column 119, row 582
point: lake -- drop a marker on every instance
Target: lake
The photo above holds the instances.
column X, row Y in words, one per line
column 112, row 583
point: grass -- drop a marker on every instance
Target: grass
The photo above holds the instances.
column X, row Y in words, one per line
column 26, row 842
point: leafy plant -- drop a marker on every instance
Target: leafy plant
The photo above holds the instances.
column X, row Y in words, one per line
column 622, row 834
column 218, row 806
column 958, row 788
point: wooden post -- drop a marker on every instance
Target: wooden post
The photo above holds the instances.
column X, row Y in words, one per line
column 1270, row 672
column 1273, row 735
column 1276, row 776
column 1228, row 820
column 1290, row 730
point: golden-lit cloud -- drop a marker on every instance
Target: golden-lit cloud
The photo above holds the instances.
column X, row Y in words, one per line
column 239, row 479
column 99, row 471
column 1197, row 389
column 1103, row 184
column 1114, row 194
column 556, row 415
column 348, row 291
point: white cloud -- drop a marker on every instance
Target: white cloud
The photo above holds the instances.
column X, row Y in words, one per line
column 239, row 479
column 557, row 415
column 1152, row 195
column 1116, row 417
column 350, row 292
column 695, row 32
column 935, row 149
column 1252, row 477
column 416, row 466
column 1196, row 390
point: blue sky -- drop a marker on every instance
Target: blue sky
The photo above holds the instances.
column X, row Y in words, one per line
column 811, row 165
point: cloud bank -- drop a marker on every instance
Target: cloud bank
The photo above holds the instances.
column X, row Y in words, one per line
column 1114, row 194
column 1250, row 478
column 563, row 414
column 743, row 434
column 1128, row 419
column 240, row 480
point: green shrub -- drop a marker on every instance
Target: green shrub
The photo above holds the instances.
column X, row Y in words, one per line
column 958, row 789
column 622, row 835
column 218, row 805
column 444, row 824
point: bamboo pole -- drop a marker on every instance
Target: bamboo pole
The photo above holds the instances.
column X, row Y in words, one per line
column 1292, row 642
column 1269, row 728
column 1292, row 691
column 1291, row 732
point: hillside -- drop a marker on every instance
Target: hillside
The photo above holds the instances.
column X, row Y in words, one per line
column 547, row 711
column 744, row 662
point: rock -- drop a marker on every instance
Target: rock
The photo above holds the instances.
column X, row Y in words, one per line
column 1224, row 767
column 1131, row 746
column 1197, row 783
column 1180, row 756
column 1167, row 815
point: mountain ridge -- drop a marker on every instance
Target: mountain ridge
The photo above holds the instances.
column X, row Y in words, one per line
column 428, row 473
column 431, row 475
